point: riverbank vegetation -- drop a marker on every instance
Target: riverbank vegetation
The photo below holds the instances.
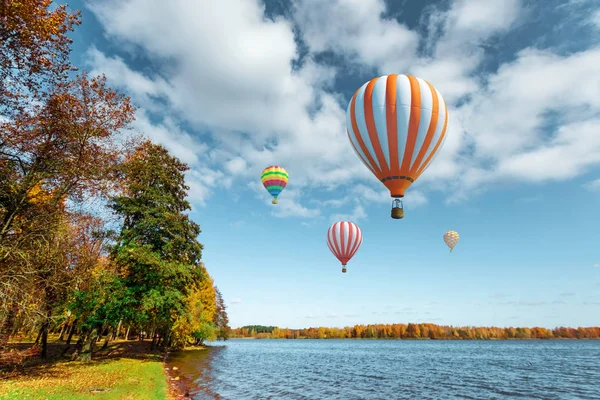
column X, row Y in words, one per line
column 415, row 331
column 124, row 370
column 95, row 239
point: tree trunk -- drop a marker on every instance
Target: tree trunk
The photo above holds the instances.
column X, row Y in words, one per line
column 7, row 326
column 127, row 334
column 63, row 329
column 118, row 331
column 79, row 345
column 39, row 336
column 153, row 340
column 71, row 332
column 108, row 336
column 87, row 348
column 45, row 326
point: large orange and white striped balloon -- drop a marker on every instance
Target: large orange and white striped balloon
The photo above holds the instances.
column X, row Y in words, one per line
column 344, row 238
column 396, row 125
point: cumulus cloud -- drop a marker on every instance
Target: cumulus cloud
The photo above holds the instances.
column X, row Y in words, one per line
column 595, row 19
column 289, row 204
column 357, row 214
column 231, row 75
column 356, row 30
column 593, row 186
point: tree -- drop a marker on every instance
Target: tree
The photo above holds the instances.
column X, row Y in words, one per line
column 62, row 150
column 34, row 50
column 157, row 252
column 221, row 319
column 205, row 331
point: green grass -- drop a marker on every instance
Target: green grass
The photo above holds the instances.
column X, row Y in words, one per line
column 133, row 374
column 116, row 379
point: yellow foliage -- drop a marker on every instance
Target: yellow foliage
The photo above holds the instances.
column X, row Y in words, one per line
column 201, row 306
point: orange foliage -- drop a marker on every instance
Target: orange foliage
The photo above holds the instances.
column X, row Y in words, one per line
column 34, row 47
column 422, row 331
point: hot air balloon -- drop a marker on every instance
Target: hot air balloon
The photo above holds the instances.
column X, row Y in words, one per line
column 344, row 238
column 274, row 179
column 396, row 125
column 451, row 238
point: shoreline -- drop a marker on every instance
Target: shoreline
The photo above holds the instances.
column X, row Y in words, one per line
column 179, row 386
column 418, row 339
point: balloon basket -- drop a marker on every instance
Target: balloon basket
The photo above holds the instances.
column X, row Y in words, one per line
column 344, row 269
column 274, row 201
column 397, row 213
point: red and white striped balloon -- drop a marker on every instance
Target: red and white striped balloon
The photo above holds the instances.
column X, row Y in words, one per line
column 344, row 238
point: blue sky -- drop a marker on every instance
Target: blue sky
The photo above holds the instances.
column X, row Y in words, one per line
column 233, row 86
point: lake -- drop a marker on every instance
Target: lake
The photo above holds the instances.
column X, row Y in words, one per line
column 393, row 369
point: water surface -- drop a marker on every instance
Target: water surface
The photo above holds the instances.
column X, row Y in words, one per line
column 393, row 369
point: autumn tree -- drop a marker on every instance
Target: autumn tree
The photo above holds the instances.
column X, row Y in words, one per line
column 221, row 319
column 156, row 251
column 417, row 331
column 34, row 51
column 64, row 150
column 197, row 323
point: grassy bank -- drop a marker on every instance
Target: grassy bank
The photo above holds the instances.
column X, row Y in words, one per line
column 125, row 370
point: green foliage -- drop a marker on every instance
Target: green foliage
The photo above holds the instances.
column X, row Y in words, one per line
column 258, row 328
column 205, row 331
column 157, row 253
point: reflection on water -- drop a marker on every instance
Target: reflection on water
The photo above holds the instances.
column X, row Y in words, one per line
column 195, row 369
column 389, row 369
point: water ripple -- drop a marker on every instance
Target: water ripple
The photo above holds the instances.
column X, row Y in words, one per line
column 379, row 369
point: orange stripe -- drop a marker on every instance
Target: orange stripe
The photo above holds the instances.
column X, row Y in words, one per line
column 437, row 145
column 372, row 129
column 413, row 124
column 358, row 154
column 391, row 121
column 361, row 143
column 430, row 131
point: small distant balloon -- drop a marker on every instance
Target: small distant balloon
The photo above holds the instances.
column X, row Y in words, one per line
column 451, row 238
column 274, row 178
column 344, row 238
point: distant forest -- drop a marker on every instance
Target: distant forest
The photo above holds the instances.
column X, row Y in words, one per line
column 415, row 331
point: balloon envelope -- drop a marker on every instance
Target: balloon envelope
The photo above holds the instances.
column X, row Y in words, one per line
column 451, row 238
column 344, row 238
column 396, row 125
column 274, row 178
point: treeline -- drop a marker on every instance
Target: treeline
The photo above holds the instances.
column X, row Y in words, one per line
column 95, row 240
column 416, row 331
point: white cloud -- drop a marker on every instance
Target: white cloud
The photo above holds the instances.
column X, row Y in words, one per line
column 508, row 120
column 595, row 19
column 357, row 214
column 235, row 301
column 234, row 79
column 288, row 202
column 355, row 29
column 596, row 265
column 593, row 186
column 142, row 89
